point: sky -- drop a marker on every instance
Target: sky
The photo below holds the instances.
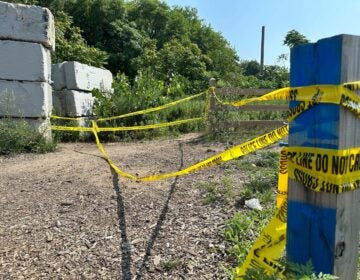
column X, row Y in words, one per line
column 240, row 22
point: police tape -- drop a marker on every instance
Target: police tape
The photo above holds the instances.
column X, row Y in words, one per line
column 125, row 128
column 232, row 153
column 71, row 128
column 267, row 249
column 325, row 170
column 154, row 109
column 68, row 118
column 283, row 178
column 279, row 94
column 149, row 126
column 309, row 96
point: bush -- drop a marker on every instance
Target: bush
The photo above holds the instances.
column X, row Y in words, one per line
column 19, row 137
column 146, row 92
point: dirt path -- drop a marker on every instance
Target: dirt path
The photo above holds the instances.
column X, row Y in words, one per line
column 65, row 215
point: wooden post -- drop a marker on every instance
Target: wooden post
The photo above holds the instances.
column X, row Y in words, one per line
column 323, row 227
column 211, row 113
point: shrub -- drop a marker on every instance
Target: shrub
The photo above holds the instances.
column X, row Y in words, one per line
column 146, row 92
column 19, row 137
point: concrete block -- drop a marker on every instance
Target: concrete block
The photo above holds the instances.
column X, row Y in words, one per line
column 23, row 61
column 25, row 99
column 73, row 103
column 27, row 23
column 76, row 76
column 58, row 76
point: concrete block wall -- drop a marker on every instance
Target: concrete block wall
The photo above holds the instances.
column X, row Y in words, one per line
column 27, row 35
column 73, row 83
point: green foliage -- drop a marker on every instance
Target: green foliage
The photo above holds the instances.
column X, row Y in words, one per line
column 293, row 38
column 18, row 137
column 133, row 36
column 305, row 272
column 71, row 46
column 146, row 92
column 218, row 192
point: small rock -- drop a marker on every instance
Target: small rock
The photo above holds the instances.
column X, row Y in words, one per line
column 49, row 236
column 66, row 203
column 157, row 260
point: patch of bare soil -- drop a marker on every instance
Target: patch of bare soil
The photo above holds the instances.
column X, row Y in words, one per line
column 66, row 215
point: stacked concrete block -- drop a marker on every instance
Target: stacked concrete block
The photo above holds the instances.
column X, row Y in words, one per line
column 73, row 83
column 27, row 36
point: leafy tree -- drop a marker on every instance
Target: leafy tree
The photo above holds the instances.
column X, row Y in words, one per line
column 71, row 46
column 251, row 68
column 293, row 38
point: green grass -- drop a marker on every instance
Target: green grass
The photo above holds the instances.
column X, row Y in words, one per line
column 218, row 192
column 169, row 265
column 19, row 137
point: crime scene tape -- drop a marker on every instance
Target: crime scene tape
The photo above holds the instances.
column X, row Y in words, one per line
column 154, row 108
column 268, row 247
column 309, row 96
column 325, row 170
column 149, row 126
column 232, row 153
column 125, row 128
column 68, row 118
column 71, row 128
column 283, row 178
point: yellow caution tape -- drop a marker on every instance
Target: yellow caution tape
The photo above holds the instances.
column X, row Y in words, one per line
column 68, row 118
column 267, row 249
column 309, row 96
column 71, row 128
column 325, row 170
column 153, row 109
column 232, row 153
column 279, row 94
column 149, row 126
column 283, row 178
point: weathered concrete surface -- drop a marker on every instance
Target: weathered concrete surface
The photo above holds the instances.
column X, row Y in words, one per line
column 27, row 23
column 73, row 103
column 58, row 77
column 23, row 61
column 25, row 99
column 76, row 76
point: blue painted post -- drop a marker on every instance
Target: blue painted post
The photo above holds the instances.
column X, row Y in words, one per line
column 323, row 227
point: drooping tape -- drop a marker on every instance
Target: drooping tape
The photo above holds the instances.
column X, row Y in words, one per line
column 325, row 170
column 154, row 109
column 267, row 249
column 232, row 153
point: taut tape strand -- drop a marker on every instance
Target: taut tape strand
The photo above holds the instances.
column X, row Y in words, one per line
column 146, row 111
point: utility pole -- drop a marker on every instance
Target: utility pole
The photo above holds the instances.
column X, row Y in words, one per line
column 262, row 50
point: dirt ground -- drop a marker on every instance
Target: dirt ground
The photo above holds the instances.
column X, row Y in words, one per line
column 66, row 215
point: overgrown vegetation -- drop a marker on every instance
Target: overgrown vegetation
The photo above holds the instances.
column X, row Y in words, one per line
column 17, row 136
